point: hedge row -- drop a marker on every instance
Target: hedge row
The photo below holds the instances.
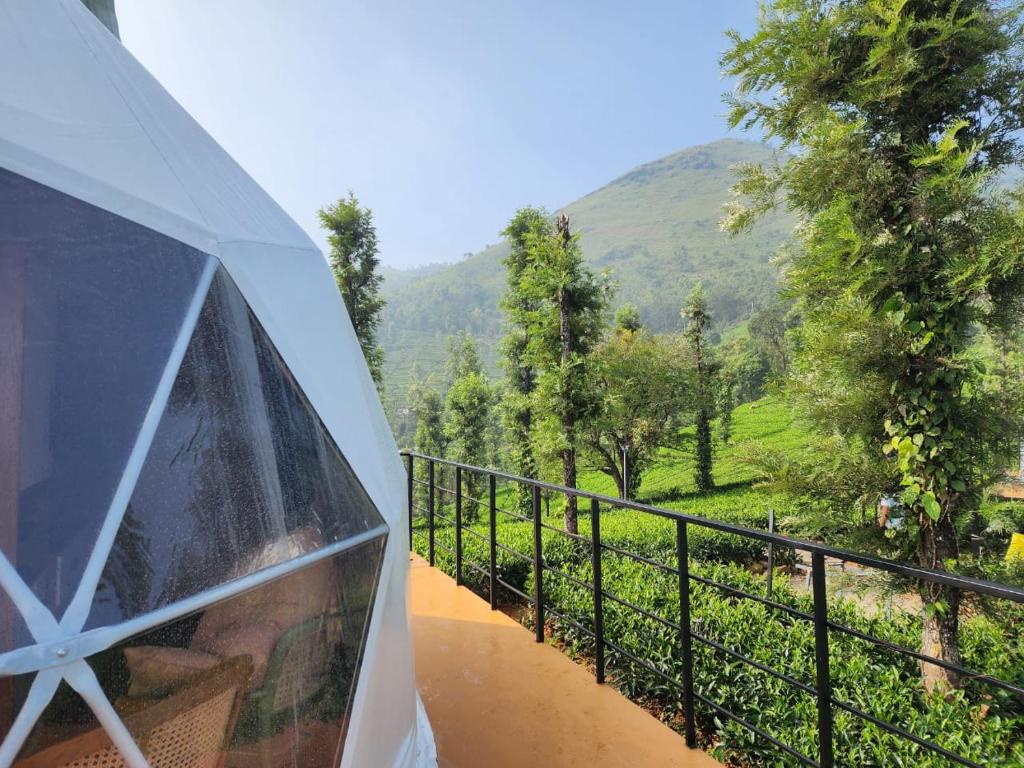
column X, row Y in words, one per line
column 981, row 722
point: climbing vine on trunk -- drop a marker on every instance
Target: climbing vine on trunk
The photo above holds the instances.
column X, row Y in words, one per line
column 899, row 113
column 563, row 320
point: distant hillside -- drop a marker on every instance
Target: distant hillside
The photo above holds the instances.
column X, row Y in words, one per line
column 655, row 229
column 396, row 279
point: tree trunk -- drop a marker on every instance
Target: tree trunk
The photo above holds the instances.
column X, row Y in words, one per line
column 569, row 480
column 569, row 421
column 703, row 478
column 523, row 460
column 940, row 626
column 611, row 466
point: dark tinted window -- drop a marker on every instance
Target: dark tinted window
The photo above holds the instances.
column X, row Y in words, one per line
column 66, row 718
column 13, row 691
column 261, row 680
column 13, row 631
column 90, row 306
column 241, row 474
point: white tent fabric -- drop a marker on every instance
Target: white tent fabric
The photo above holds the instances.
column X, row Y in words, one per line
column 78, row 113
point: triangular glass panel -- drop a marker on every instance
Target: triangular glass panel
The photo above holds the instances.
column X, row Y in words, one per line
column 90, row 307
column 241, row 475
column 67, row 730
column 13, row 691
column 263, row 679
column 13, row 630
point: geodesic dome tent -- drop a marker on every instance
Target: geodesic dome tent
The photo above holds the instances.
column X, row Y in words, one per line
column 201, row 505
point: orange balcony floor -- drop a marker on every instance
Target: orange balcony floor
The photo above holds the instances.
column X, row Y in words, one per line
column 496, row 698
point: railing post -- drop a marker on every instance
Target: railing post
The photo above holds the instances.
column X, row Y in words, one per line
column 458, row 526
column 683, row 561
column 409, row 486
column 771, row 552
column 430, row 512
column 595, row 546
column 493, row 523
column 538, row 569
column 824, row 682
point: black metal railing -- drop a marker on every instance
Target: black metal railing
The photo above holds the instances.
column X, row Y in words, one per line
column 827, row 704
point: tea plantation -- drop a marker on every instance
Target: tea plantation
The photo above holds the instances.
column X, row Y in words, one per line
column 979, row 721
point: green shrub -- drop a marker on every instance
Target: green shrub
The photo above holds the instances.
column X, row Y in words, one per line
column 978, row 721
column 511, row 569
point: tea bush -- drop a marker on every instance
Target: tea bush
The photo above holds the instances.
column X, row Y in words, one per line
column 627, row 529
column 979, row 721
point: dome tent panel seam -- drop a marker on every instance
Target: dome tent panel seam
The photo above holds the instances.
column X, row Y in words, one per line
column 98, row 640
column 79, row 675
column 156, row 147
column 40, row 622
column 39, row 697
column 78, row 610
column 226, row 198
column 115, row 200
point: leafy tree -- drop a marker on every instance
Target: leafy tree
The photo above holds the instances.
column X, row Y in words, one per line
column 564, row 326
column 428, row 410
column 768, row 329
column 726, row 403
column 467, row 413
column 706, row 368
column 901, row 113
column 463, row 357
column 745, row 364
column 520, row 373
column 627, row 318
column 352, row 237
column 642, row 383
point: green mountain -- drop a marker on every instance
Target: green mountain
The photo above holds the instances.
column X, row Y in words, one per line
column 655, row 229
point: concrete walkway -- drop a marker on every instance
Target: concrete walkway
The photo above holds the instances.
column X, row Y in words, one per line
column 496, row 698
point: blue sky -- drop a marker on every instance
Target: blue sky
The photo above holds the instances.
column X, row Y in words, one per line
column 442, row 116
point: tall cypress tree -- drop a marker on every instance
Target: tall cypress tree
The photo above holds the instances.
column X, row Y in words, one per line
column 467, row 408
column 706, row 367
column 352, row 237
column 520, row 373
column 427, row 407
column 564, row 325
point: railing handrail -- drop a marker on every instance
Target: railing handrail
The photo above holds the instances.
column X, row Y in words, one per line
column 823, row 626
column 965, row 583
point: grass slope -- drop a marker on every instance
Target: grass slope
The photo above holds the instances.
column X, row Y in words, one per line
column 670, row 481
column 979, row 721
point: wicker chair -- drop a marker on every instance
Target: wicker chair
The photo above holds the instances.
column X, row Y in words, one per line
column 190, row 729
column 299, row 668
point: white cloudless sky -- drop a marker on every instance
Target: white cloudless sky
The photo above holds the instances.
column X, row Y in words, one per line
column 443, row 116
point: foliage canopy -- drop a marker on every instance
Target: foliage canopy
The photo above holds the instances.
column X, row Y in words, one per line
column 901, row 112
column 352, row 238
